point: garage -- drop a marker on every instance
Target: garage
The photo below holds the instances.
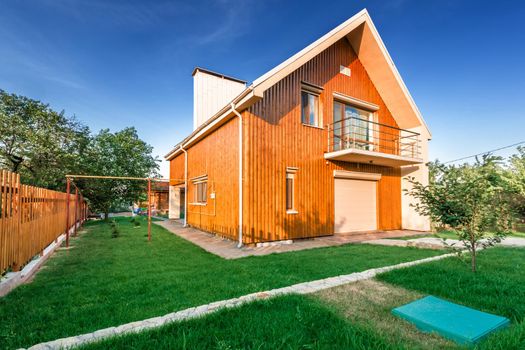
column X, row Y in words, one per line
column 355, row 198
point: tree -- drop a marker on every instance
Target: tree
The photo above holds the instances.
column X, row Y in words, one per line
column 469, row 199
column 121, row 153
column 37, row 142
column 516, row 182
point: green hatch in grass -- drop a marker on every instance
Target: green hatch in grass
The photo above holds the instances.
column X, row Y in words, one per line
column 456, row 322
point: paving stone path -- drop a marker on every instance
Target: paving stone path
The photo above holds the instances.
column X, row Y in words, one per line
column 227, row 248
column 437, row 243
column 155, row 322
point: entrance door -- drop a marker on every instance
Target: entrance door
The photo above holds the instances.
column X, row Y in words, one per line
column 182, row 203
column 355, row 205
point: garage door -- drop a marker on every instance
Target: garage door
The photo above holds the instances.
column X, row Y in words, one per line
column 355, row 205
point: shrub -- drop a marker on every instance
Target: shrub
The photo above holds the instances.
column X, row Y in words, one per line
column 115, row 232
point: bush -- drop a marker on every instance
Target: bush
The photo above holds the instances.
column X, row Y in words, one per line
column 115, row 232
column 135, row 221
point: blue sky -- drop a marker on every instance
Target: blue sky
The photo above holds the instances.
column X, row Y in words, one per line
column 120, row 63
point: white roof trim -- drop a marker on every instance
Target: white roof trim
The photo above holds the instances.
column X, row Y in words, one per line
column 306, row 54
column 396, row 73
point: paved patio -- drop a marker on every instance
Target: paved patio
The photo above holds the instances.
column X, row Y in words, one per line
column 227, row 248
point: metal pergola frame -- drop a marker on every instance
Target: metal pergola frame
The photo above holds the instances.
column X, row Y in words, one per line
column 71, row 177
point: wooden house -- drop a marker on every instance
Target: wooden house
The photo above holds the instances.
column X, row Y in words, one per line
column 319, row 145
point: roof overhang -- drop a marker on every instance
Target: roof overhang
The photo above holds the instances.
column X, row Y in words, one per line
column 247, row 98
column 370, row 157
column 369, row 47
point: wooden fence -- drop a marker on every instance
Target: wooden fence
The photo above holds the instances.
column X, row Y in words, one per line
column 31, row 218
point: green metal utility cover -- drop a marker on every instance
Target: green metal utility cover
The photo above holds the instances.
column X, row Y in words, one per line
column 456, row 322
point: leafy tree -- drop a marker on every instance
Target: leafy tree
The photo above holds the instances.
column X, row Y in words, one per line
column 469, row 199
column 37, row 142
column 516, row 182
column 121, row 153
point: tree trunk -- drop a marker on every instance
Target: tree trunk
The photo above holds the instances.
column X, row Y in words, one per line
column 106, row 214
column 473, row 258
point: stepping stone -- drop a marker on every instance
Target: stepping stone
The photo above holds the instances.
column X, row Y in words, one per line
column 456, row 322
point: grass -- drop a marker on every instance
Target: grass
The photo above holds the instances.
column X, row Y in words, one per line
column 103, row 281
column 496, row 288
column 442, row 234
column 289, row 322
column 356, row 316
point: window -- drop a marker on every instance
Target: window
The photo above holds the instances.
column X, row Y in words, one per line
column 200, row 193
column 310, row 111
column 290, row 190
column 353, row 127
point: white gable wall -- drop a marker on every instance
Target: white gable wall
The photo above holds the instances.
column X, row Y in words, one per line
column 210, row 94
column 411, row 220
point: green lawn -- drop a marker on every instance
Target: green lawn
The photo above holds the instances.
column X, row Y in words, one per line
column 288, row 322
column 442, row 234
column 357, row 316
column 104, row 281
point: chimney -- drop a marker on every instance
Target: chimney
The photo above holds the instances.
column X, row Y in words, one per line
column 211, row 92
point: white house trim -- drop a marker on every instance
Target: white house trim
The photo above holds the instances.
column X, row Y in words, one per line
column 343, row 174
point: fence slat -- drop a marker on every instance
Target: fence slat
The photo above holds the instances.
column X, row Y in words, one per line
column 31, row 218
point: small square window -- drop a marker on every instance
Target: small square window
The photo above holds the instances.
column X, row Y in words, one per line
column 201, row 192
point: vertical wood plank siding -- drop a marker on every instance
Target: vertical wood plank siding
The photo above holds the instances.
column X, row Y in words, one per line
column 30, row 219
column 217, row 157
column 177, row 170
column 276, row 139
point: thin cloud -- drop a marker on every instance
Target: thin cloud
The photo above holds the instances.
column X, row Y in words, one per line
column 125, row 13
column 38, row 60
column 235, row 19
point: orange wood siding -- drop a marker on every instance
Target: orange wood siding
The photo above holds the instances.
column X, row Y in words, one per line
column 276, row 139
column 177, row 170
column 217, row 157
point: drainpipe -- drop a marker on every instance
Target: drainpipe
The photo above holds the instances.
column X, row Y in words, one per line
column 185, row 186
column 239, row 245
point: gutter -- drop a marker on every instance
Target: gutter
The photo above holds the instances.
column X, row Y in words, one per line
column 185, row 186
column 239, row 245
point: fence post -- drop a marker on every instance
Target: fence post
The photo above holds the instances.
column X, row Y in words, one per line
column 67, row 211
column 15, row 191
column 149, row 210
column 76, row 211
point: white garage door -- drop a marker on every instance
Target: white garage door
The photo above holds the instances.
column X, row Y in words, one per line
column 355, row 205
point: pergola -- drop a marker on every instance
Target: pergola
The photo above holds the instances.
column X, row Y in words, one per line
column 69, row 182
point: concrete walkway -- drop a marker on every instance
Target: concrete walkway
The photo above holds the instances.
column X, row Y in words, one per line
column 437, row 243
column 155, row 322
column 227, row 248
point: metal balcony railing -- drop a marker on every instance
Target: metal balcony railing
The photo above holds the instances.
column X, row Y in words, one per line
column 362, row 134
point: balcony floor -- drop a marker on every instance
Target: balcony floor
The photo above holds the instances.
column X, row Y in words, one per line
column 353, row 155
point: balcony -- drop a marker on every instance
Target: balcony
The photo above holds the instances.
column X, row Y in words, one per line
column 358, row 140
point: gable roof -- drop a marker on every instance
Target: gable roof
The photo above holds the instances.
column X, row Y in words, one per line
column 371, row 51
